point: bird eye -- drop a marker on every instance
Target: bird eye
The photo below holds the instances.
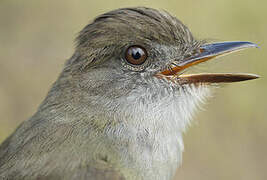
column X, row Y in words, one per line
column 136, row 55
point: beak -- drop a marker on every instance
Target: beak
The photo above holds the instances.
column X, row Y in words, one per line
column 207, row 52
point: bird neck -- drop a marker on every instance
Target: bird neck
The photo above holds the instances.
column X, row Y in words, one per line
column 147, row 133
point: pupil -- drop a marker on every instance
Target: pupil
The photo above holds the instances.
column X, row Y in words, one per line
column 136, row 55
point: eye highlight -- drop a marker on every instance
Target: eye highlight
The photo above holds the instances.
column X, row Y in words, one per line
column 136, row 55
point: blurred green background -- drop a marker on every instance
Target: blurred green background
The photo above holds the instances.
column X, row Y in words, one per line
column 228, row 139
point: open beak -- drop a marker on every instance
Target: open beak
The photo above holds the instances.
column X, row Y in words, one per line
column 207, row 52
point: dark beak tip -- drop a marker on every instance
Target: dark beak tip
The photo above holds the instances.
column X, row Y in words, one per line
column 254, row 45
column 251, row 43
column 254, row 76
column 245, row 77
column 220, row 48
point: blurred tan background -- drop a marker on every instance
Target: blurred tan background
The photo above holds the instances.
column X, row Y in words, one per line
column 228, row 139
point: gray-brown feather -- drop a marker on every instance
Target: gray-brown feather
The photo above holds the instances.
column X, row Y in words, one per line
column 102, row 120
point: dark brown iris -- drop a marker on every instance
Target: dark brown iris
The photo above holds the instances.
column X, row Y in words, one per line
column 136, row 55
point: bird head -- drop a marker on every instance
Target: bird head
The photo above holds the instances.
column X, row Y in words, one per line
column 132, row 61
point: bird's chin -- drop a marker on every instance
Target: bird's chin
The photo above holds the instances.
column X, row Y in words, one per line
column 206, row 52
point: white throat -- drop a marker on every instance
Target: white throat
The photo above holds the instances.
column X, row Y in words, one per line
column 152, row 130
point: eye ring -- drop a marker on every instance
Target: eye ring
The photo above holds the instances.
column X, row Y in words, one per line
column 136, row 55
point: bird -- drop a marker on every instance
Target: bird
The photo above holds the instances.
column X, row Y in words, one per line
column 119, row 108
